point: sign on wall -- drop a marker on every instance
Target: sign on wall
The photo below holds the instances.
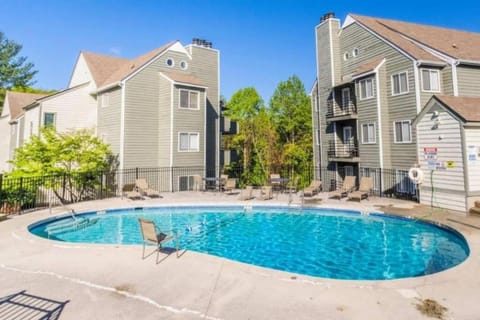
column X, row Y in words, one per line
column 472, row 154
column 430, row 153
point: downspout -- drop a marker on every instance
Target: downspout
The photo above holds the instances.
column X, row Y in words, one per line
column 466, row 180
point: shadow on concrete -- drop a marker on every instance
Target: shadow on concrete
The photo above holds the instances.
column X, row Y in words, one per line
column 22, row 305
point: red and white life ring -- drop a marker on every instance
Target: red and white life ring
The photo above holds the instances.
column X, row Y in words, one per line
column 416, row 175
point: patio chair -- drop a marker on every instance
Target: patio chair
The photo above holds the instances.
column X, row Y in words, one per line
column 247, row 193
column 292, row 186
column 366, row 186
column 266, row 193
column 222, row 181
column 230, row 185
column 198, row 183
column 347, row 187
column 130, row 191
column 312, row 189
column 152, row 235
column 145, row 190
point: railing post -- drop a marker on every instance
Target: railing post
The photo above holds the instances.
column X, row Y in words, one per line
column 171, row 178
column 136, row 173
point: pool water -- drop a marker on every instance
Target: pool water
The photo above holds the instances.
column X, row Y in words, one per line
column 318, row 242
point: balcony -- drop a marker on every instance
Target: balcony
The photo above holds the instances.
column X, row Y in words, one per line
column 336, row 112
column 342, row 152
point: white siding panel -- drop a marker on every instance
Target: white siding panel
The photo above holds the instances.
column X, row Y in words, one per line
column 81, row 73
column 32, row 123
column 4, row 143
column 443, row 199
column 472, row 138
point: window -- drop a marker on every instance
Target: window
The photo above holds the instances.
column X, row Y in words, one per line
column 170, row 62
column 368, row 133
column 346, row 55
column 430, row 80
column 189, row 99
column 345, row 97
column 105, row 100
column 355, row 52
column 317, row 137
column 366, row 89
column 403, row 131
column 400, row 83
column 49, row 119
column 183, row 64
column 188, row 141
column 186, row 183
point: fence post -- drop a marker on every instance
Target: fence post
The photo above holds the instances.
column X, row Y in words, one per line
column 136, row 173
column 101, row 185
column 171, row 180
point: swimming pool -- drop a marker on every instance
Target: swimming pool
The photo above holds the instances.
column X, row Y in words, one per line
column 329, row 243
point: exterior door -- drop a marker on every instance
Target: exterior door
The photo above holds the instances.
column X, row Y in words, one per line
column 347, row 139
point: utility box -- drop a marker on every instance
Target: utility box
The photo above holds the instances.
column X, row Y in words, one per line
column 448, row 135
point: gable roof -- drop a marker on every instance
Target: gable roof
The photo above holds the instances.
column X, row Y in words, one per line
column 467, row 108
column 367, row 67
column 18, row 100
column 182, row 78
column 102, row 66
column 457, row 44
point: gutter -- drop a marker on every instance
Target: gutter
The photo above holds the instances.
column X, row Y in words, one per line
column 107, row 87
column 468, row 62
column 430, row 63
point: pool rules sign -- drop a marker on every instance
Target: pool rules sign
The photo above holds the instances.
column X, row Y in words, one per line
column 431, row 156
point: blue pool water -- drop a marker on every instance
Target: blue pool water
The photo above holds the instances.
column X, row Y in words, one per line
column 318, row 242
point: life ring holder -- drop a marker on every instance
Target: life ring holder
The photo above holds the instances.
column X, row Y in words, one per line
column 416, row 175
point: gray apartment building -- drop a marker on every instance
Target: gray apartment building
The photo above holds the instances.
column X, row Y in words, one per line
column 373, row 77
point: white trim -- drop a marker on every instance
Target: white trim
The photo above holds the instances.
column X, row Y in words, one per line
column 439, row 79
column 205, row 130
column 170, row 59
column 455, row 79
column 188, row 133
column 430, row 50
column 107, row 87
column 319, row 118
column 392, row 83
column 348, row 21
column 379, row 111
column 331, row 53
column 190, row 46
column 317, row 137
column 122, row 129
column 189, row 92
column 219, row 113
column 178, row 47
column 42, row 124
column 374, row 132
column 395, row 131
column 416, row 77
column 347, row 89
column 431, row 63
column 353, row 52
column 131, row 75
column 185, row 63
column 171, row 132
column 360, row 88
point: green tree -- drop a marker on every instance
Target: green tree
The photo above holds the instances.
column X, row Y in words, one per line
column 77, row 155
column 290, row 109
column 15, row 71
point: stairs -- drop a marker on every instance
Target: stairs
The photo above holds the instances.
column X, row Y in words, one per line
column 476, row 209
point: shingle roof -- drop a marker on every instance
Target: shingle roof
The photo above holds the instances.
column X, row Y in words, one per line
column 184, row 78
column 367, row 67
column 468, row 108
column 130, row 66
column 18, row 100
column 102, row 66
column 401, row 34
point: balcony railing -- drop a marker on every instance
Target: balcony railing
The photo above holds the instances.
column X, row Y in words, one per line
column 341, row 150
column 335, row 110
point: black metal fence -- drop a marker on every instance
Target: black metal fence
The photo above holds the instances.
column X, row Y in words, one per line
column 24, row 193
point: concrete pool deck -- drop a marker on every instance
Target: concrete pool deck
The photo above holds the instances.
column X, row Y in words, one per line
column 113, row 282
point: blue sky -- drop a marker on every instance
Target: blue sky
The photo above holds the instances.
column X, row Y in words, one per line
column 261, row 42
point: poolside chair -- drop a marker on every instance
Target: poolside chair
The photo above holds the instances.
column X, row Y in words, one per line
column 292, row 185
column 366, row 186
column 266, row 193
column 230, row 185
column 145, row 190
column 247, row 193
column 198, row 183
column 222, row 181
column 313, row 188
column 129, row 191
column 275, row 181
column 152, row 235
column 347, row 187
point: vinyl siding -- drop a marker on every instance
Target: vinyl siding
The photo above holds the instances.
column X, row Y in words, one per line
column 188, row 121
column 472, row 138
column 315, row 126
column 81, row 73
column 448, row 184
column 164, row 127
column 108, row 127
column 33, row 122
column 4, row 143
column 468, row 81
column 74, row 110
column 447, row 80
column 13, row 141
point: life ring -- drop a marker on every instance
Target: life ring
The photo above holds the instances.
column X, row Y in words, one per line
column 416, row 175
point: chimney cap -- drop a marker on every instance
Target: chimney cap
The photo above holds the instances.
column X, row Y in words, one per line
column 328, row 15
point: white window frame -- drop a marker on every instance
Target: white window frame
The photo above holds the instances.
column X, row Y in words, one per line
column 189, row 97
column 173, row 62
column 395, row 131
column 105, row 100
column 189, row 149
column 364, row 81
column 190, row 178
column 183, row 65
column 54, row 119
column 438, row 77
column 392, row 82
column 343, row 97
column 368, row 124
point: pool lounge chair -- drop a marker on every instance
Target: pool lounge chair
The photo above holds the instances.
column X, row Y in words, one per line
column 312, row 189
column 247, row 193
column 230, row 185
column 145, row 190
column 347, row 187
column 130, row 191
column 275, row 181
column 266, row 193
column 222, row 181
column 152, row 235
column 366, row 186
column 198, row 183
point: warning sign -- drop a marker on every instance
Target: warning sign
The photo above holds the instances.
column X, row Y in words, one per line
column 430, row 153
column 450, row 164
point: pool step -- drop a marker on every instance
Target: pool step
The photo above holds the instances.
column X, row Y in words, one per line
column 70, row 225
